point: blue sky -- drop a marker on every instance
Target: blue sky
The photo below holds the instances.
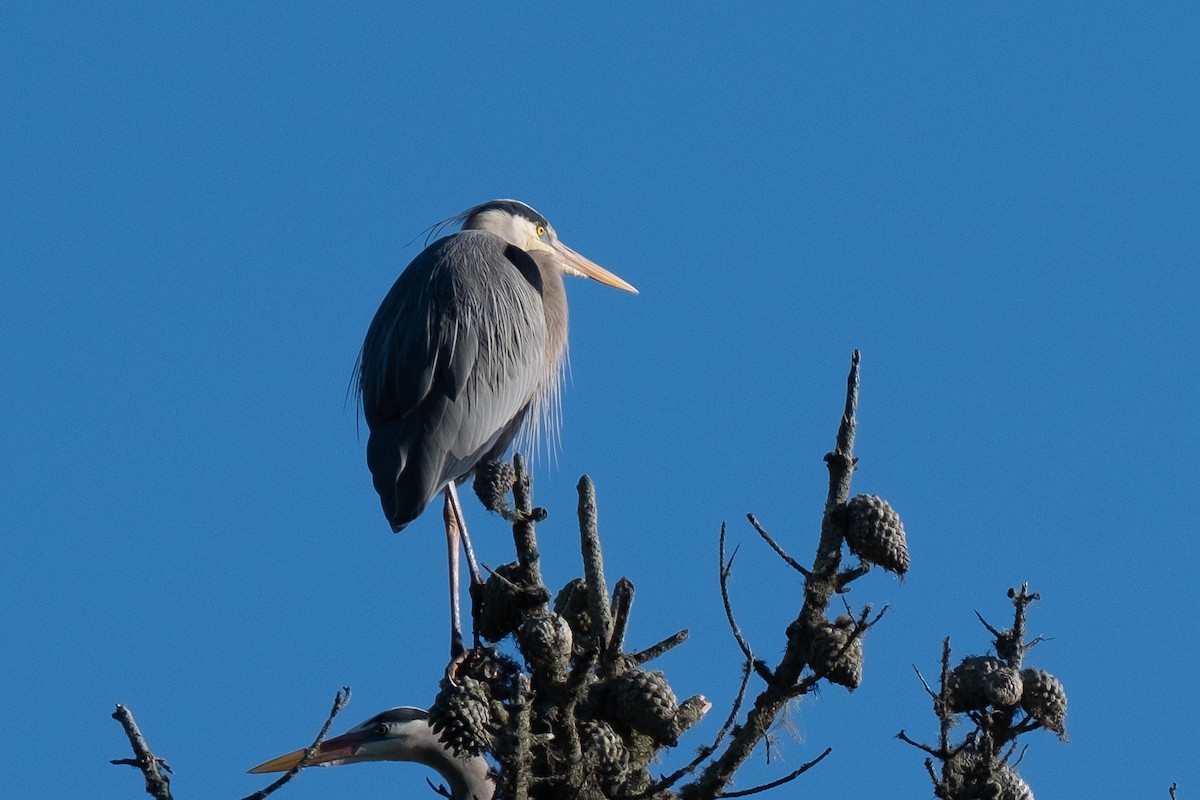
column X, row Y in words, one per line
column 202, row 207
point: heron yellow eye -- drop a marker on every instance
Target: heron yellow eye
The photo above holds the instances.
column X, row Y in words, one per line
column 381, row 729
column 541, row 231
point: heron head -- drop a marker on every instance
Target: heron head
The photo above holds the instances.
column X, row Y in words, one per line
column 398, row 734
column 522, row 226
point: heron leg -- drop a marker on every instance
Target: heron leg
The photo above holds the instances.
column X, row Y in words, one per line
column 453, row 533
column 472, row 564
column 455, row 507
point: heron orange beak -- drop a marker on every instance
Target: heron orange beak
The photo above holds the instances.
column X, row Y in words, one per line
column 578, row 265
column 331, row 750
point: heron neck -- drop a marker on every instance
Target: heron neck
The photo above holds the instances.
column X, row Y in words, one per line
column 469, row 778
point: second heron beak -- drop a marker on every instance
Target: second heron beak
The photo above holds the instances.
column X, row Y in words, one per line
column 330, row 753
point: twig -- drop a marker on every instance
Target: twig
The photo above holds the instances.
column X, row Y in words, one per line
column 339, row 702
column 848, row 576
column 657, row 650
column 726, row 567
column 791, row 562
column 864, row 625
column 1026, row 725
column 786, row 779
column 736, row 706
column 941, row 705
column 932, row 694
column 932, row 775
column 988, row 625
column 158, row 785
column 804, row 687
column 902, row 736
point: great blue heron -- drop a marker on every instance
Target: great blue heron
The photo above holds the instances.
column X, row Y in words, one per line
column 465, row 349
column 398, row 734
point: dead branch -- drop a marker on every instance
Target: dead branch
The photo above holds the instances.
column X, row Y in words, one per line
column 725, row 569
column 621, row 603
column 819, row 586
column 657, row 650
column 339, row 702
column 787, row 559
column 593, row 567
column 154, row 769
column 785, row 779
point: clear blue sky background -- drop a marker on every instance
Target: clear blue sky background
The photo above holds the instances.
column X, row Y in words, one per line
column 201, row 207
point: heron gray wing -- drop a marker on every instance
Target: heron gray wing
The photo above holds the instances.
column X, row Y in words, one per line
column 449, row 367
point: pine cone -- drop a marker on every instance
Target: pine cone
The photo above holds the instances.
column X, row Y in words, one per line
column 1011, row 786
column 1045, row 700
column 546, row 644
column 572, row 605
column 502, row 603
column 962, row 773
column 835, row 657
column 461, row 718
column 1003, row 687
column 493, row 481
column 968, row 777
column 604, row 753
column 641, row 700
column 876, row 534
column 980, row 681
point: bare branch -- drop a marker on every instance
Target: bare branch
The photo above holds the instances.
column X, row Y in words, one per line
column 726, row 567
column 339, row 702
column 988, row 625
column 932, row 775
column 819, row 586
column 942, row 704
column 593, row 567
column 848, row 576
column 1008, row 758
column 786, row 779
column 524, row 525
column 864, row 625
column 791, row 562
column 158, row 785
column 657, row 650
column 902, row 736
column 932, row 694
column 621, row 603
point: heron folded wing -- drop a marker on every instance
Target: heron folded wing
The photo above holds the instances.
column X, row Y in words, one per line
column 450, row 366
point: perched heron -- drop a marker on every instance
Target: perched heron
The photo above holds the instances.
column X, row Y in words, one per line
column 465, row 350
column 398, row 734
